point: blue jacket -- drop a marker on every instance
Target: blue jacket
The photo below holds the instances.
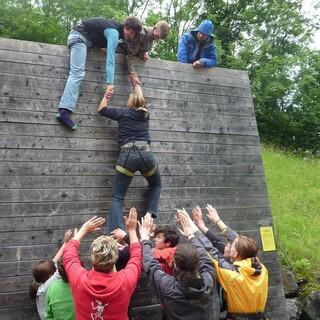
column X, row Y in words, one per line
column 188, row 47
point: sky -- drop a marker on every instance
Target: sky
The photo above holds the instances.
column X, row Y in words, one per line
column 310, row 11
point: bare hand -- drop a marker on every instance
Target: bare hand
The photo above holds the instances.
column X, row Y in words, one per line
column 146, row 227
column 109, row 92
column 118, row 234
column 197, row 64
column 185, row 224
column 144, row 56
column 68, row 235
column 212, row 213
column 92, row 225
column 134, row 80
column 197, row 218
column 131, row 221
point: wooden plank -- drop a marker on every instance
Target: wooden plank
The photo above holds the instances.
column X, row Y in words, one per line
column 45, row 72
column 111, row 157
column 250, row 173
column 53, row 181
column 157, row 111
column 229, row 127
column 35, row 104
column 95, row 90
column 52, row 143
column 86, row 194
column 229, row 209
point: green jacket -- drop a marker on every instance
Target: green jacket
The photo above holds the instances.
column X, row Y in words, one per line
column 59, row 302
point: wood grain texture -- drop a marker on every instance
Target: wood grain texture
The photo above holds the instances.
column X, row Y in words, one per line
column 203, row 132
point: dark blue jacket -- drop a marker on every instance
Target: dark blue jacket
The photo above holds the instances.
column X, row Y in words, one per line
column 188, row 48
column 133, row 125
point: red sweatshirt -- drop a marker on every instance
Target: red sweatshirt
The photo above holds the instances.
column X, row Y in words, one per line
column 98, row 295
column 165, row 257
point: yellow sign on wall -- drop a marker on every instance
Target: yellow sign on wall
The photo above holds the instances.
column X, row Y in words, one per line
column 268, row 243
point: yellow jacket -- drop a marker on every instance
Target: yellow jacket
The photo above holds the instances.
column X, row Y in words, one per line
column 246, row 286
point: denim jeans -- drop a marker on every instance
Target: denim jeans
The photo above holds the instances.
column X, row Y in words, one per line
column 78, row 54
column 134, row 160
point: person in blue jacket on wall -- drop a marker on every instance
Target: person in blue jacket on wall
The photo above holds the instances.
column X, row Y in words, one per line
column 197, row 47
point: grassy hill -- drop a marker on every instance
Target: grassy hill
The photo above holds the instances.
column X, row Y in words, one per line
column 294, row 191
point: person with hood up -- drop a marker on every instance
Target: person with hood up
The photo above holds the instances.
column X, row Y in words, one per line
column 188, row 293
column 103, row 293
column 197, row 47
column 243, row 277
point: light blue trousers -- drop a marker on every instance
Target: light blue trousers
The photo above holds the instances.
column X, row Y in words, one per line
column 78, row 54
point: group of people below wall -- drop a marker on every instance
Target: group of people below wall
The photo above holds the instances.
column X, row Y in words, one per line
column 188, row 277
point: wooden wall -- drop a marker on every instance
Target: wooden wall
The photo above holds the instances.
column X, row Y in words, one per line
column 204, row 134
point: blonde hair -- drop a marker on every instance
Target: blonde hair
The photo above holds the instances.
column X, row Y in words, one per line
column 136, row 100
column 163, row 28
column 104, row 253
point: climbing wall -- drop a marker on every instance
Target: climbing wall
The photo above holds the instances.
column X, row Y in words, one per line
column 203, row 132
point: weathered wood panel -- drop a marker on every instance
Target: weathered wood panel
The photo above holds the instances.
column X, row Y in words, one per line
column 204, row 134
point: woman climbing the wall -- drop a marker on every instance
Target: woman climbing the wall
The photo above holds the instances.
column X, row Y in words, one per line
column 135, row 154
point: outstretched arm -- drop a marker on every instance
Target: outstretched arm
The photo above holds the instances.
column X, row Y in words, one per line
column 215, row 218
column 67, row 236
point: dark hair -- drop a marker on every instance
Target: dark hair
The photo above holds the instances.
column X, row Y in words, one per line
column 246, row 247
column 186, row 262
column 133, row 23
column 41, row 272
column 62, row 271
column 170, row 235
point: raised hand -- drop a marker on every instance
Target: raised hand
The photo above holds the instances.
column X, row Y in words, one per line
column 131, row 221
column 118, row 234
column 146, row 227
column 212, row 214
column 197, row 218
column 93, row 224
column 89, row 226
column 184, row 213
column 68, row 235
column 185, row 224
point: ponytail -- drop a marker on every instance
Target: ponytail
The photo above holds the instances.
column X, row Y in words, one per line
column 33, row 289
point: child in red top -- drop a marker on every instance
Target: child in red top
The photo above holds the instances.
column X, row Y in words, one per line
column 165, row 241
column 103, row 293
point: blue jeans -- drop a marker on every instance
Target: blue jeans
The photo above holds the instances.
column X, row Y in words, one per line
column 78, row 54
column 133, row 160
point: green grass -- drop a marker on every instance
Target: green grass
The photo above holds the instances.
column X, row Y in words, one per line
column 294, row 192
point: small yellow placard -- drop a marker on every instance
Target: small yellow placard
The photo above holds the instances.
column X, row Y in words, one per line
column 268, row 243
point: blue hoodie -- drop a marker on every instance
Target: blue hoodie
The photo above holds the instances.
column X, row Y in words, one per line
column 189, row 46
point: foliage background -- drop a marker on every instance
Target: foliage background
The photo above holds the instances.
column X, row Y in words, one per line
column 268, row 38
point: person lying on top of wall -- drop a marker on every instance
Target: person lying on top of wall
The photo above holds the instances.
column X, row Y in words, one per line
column 135, row 154
column 244, row 280
column 92, row 33
column 141, row 45
column 197, row 47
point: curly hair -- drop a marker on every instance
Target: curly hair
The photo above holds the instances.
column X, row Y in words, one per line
column 104, row 253
column 170, row 235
